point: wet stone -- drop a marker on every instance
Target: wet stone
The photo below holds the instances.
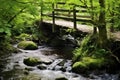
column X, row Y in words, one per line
column 62, row 63
column 42, row 66
column 47, row 62
column 16, row 62
column 29, row 69
column 58, row 67
column 62, row 78
column 26, row 72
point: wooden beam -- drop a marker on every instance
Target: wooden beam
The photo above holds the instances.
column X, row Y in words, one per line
column 53, row 18
column 74, row 17
column 67, row 15
column 65, row 10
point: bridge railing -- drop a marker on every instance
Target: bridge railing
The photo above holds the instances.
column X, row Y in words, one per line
column 72, row 13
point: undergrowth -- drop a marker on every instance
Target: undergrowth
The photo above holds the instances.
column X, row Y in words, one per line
column 90, row 56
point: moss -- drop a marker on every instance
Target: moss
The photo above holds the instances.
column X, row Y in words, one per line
column 79, row 67
column 93, row 62
column 88, row 63
column 31, row 61
column 27, row 45
column 62, row 78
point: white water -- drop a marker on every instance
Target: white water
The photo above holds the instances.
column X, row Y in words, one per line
column 15, row 62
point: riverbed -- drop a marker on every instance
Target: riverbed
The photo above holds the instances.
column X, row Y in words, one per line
column 57, row 64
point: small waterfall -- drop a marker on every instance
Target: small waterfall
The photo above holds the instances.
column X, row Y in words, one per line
column 67, row 65
column 54, row 64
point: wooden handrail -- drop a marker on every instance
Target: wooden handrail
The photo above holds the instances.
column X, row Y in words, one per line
column 72, row 15
column 67, row 15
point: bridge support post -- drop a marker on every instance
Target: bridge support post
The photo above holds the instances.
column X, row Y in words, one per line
column 53, row 18
column 74, row 17
column 41, row 13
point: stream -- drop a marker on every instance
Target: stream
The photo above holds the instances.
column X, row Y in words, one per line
column 55, row 65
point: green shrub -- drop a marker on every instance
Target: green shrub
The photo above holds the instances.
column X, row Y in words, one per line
column 82, row 50
column 98, row 53
column 24, row 36
column 27, row 45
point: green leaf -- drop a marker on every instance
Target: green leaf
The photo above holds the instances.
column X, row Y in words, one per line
column 7, row 31
column 1, row 30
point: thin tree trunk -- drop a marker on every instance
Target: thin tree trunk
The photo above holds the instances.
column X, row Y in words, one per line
column 53, row 18
column 93, row 18
column 41, row 11
column 102, row 25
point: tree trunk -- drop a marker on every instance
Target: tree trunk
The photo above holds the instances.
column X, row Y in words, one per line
column 93, row 18
column 102, row 25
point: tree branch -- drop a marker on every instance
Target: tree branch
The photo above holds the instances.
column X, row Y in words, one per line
column 16, row 15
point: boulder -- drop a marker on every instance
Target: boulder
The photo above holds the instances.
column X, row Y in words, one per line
column 70, row 40
column 88, row 63
column 42, row 66
column 27, row 45
column 31, row 61
column 57, row 42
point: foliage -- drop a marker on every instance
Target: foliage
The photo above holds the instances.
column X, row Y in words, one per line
column 27, row 45
column 98, row 53
column 89, row 47
column 113, row 12
column 89, row 56
column 70, row 30
column 16, row 16
column 23, row 37
column 83, row 50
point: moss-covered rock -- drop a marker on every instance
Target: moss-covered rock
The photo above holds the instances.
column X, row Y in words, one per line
column 27, row 45
column 62, row 78
column 31, row 61
column 88, row 63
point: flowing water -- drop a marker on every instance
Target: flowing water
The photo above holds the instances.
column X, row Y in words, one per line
column 55, row 65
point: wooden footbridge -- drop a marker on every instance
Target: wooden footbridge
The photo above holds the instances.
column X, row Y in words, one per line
column 70, row 16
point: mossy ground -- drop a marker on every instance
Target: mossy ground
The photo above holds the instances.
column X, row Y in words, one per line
column 91, row 57
column 88, row 63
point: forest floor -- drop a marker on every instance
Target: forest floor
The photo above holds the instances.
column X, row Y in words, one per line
column 84, row 28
